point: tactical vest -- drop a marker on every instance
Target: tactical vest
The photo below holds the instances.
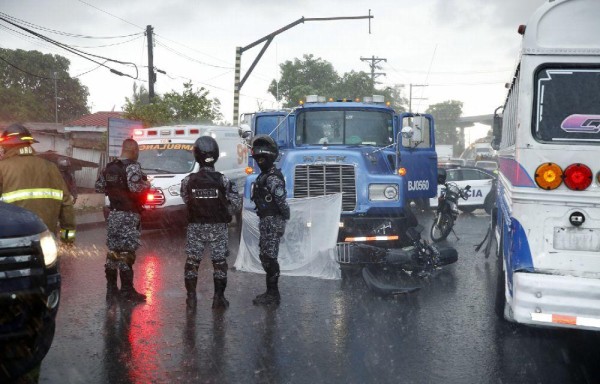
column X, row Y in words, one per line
column 262, row 197
column 208, row 202
column 117, row 190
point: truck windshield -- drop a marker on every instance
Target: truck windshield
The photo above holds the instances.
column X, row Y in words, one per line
column 166, row 158
column 344, row 127
column 567, row 119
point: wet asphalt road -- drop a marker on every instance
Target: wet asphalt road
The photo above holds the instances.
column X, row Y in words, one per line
column 323, row 332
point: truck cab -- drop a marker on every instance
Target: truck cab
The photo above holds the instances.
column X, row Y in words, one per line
column 377, row 159
column 29, row 291
column 166, row 158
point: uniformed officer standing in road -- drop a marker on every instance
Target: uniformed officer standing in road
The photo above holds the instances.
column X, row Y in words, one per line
column 125, row 184
column 212, row 200
column 34, row 183
column 269, row 195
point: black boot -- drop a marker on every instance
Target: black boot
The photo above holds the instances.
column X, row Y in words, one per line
column 190, row 287
column 111, row 283
column 220, row 268
column 127, row 290
column 271, row 297
column 219, row 300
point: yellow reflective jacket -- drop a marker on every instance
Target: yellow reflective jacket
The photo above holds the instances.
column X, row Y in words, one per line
column 36, row 184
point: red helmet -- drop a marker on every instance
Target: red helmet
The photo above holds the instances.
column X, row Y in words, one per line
column 16, row 134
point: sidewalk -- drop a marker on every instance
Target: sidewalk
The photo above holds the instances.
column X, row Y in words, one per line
column 88, row 208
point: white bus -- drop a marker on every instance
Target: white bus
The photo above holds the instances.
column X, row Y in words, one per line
column 547, row 221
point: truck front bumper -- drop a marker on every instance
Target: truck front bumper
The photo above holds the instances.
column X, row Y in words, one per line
column 556, row 300
column 376, row 230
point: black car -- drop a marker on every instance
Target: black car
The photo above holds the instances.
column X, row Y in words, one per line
column 29, row 290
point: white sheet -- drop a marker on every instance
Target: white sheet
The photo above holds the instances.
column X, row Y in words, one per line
column 308, row 245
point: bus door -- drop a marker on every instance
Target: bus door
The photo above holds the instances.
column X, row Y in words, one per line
column 416, row 144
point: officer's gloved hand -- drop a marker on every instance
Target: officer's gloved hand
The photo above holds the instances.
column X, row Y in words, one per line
column 67, row 236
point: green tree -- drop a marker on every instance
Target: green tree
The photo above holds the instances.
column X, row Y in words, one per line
column 304, row 77
column 446, row 116
column 27, row 87
column 315, row 76
column 191, row 106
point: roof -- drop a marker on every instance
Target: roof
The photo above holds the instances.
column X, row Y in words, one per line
column 98, row 119
column 37, row 127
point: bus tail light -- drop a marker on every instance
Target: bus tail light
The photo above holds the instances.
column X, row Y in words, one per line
column 578, row 177
column 548, row 176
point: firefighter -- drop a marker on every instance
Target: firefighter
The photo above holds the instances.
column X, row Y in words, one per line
column 123, row 181
column 34, row 183
column 211, row 200
column 269, row 195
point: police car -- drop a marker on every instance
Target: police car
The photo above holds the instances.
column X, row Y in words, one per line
column 482, row 182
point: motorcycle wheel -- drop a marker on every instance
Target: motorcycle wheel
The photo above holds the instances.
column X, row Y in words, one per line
column 440, row 232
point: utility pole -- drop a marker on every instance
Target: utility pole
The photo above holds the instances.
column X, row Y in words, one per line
column 151, row 74
column 238, row 84
column 55, row 100
column 410, row 98
column 374, row 61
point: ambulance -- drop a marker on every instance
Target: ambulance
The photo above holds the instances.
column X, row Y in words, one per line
column 166, row 157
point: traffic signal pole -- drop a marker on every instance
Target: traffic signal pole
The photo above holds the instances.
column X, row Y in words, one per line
column 238, row 84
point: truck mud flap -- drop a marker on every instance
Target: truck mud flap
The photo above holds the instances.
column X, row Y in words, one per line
column 384, row 288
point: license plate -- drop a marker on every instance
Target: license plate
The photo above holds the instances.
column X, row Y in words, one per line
column 577, row 239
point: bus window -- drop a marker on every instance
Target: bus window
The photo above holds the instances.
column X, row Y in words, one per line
column 568, row 105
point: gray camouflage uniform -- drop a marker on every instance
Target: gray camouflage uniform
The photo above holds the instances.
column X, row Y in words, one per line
column 123, row 228
column 272, row 228
column 212, row 235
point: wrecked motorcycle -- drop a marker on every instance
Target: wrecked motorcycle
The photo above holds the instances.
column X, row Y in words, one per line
column 416, row 261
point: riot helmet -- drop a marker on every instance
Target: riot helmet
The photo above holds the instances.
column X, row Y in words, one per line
column 264, row 151
column 441, row 176
column 206, row 151
column 16, row 134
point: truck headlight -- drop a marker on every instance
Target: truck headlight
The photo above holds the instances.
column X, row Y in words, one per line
column 49, row 248
column 174, row 189
column 383, row 192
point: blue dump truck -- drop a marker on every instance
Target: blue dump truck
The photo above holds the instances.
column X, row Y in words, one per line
column 29, row 291
column 378, row 159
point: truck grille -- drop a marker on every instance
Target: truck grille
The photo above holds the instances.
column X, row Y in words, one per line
column 20, row 261
column 326, row 179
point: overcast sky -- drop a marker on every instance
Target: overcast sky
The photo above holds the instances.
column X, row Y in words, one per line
column 463, row 49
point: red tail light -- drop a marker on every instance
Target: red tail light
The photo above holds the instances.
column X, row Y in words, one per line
column 577, row 177
column 155, row 197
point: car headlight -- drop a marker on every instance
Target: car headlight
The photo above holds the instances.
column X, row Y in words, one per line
column 174, row 190
column 49, row 248
column 383, row 192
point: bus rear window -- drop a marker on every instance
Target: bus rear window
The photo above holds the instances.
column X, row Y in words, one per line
column 567, row 105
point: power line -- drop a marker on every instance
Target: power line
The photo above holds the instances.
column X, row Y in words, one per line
column 76, row 51
column 24, row 71
column 57, row 32
column 188, row 57
column 110, row 14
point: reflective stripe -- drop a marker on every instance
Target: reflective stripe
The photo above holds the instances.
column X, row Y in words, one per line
column 34, row 193
column 371, row 238
column 564, row 319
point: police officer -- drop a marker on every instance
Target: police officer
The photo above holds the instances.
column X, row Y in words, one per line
column 269, row 195
column 211, row 201
column 34, row 183
column 123, row 181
